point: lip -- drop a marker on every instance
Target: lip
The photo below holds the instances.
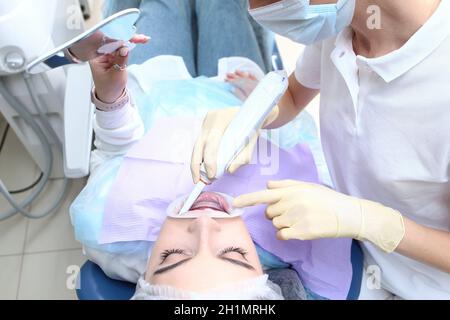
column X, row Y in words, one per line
column 211, row 200
column 213, row 204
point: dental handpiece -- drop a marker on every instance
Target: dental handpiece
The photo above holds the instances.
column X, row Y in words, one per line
column 243, row 127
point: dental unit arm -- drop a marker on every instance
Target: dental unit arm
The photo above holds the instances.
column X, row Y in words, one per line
column 244, row 126
column 30, row 28
column 44, row 93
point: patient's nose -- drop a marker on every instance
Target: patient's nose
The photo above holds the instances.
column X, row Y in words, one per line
column 204, row 228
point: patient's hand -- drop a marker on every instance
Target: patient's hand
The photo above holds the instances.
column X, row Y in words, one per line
column 86, row 49
column 244, row 83
column 109, row 72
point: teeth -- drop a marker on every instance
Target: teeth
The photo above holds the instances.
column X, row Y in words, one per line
column 207, row 205
column 211, row 200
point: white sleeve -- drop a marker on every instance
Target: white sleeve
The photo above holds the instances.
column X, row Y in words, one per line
column 115, row 133
column 308, row 69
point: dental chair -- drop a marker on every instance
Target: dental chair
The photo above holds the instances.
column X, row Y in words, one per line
column 94, row 284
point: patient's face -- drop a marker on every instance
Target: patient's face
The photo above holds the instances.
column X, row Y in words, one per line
column 203, row 253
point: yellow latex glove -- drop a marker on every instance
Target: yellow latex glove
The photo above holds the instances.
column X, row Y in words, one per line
column 207, row 145
column 307, row 211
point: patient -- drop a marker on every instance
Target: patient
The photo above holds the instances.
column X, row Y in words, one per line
column 203, row 256
column 213, row 252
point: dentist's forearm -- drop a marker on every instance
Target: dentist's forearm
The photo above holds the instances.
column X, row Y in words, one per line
column 427, row 245
column 294, row 101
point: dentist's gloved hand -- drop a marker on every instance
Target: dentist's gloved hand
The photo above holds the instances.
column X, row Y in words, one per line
column 207, row 145
column 307, row 211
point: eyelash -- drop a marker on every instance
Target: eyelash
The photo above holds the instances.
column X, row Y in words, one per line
column 234, row 249
column 165, row 254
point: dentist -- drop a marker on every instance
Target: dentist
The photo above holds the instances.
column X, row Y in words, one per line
column 383, row 71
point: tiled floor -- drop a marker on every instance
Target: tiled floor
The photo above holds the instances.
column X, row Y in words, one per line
column 36, row 256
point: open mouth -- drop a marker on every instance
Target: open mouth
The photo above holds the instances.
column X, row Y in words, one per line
column 211, row 200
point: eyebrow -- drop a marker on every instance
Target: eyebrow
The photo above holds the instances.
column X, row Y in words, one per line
column 179, row 263
column 173, row 266
column 238, row 263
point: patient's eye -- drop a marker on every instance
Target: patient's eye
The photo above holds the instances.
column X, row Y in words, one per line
column 236, row 250
column 167, row 253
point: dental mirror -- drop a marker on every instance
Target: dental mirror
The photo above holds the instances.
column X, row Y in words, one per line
column 118, row 27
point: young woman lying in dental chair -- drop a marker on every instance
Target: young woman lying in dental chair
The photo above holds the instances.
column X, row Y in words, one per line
column 212, row 252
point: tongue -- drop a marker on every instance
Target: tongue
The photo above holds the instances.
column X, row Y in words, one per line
column 210, row 200
column 206, row 205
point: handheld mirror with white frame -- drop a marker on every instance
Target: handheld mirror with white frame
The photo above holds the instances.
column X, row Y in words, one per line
column 99, row 39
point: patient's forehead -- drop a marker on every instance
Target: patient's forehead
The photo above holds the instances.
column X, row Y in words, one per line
column 199, row 276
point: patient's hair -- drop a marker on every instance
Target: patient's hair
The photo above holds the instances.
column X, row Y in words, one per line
column 260, row 288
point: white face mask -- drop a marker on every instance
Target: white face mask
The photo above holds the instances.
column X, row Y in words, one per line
column 223, row 211
column 304, row 23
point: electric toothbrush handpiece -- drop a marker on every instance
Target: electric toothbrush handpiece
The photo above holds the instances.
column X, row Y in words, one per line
column 195, row 193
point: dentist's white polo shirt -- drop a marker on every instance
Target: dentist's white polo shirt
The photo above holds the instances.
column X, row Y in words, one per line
column 385, row 126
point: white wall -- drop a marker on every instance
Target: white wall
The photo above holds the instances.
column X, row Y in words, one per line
column 290, row 52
